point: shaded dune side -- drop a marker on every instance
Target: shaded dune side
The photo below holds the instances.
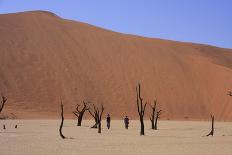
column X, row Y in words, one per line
column 45, row 58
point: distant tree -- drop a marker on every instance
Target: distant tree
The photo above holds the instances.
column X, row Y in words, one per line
column 212, row 127
column 62, row 121
column 94, row 115
column 99, row 118
column 98, row 115
column 4, row 99
column 152, row 117
column 80, row 113
column 158, row 113
column 141, row 109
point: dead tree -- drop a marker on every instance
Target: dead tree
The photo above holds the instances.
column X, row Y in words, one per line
column 94, row 115
column 212, row 128
column 4, row 99
column 80, row 113
column 98, row 116
column 158, row 113
column 141, row 109
column 152, row 117
column 62, row 121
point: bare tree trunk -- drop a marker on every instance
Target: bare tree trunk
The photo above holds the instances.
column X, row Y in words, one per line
column 152, row 117
column 96, row 123
column 99, row 116
column 156, row 123
column 79, row 120
column 158, row 113
column 94, row 115
column 62, row 121
column 99, row 127
column 212, row 128
column 152, row 124
column 142, row 126
column 141, row 109
column 80, row 113
column 4, row 99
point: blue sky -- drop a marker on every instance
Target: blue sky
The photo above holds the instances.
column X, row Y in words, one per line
column 199, row 21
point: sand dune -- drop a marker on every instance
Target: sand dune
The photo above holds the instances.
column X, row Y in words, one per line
column 44, row 58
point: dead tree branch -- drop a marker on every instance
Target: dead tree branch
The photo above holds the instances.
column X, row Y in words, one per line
column 4, row 99
column 212, row 127
column 152, row 117
column 99, row 117
column 94, row 115
column 158, row 113
column 141, row 109
column 62, row 121
column 80, row 113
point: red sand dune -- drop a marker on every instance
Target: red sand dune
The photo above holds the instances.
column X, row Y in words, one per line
column 44, row 58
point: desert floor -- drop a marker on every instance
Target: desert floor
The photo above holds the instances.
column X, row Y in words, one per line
column 173, row 137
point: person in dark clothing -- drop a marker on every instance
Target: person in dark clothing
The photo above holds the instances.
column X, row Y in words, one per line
column 126, row 121
column 108, row 121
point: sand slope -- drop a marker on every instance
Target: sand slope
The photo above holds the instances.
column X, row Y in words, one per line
column 44, row 58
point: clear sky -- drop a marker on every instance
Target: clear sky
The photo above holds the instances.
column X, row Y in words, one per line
column 200, row 21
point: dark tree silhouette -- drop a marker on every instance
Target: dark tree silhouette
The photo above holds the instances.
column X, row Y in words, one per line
column 212, row 128
column 152, row 117
column 141, row 109
column 62, row 121
column 98, row 116
column 80, row 113
column 158, row 113
column 94, row 115
column 4, row 99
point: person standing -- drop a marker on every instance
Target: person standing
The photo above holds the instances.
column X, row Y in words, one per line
column 108, row 121
column 126, row 122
